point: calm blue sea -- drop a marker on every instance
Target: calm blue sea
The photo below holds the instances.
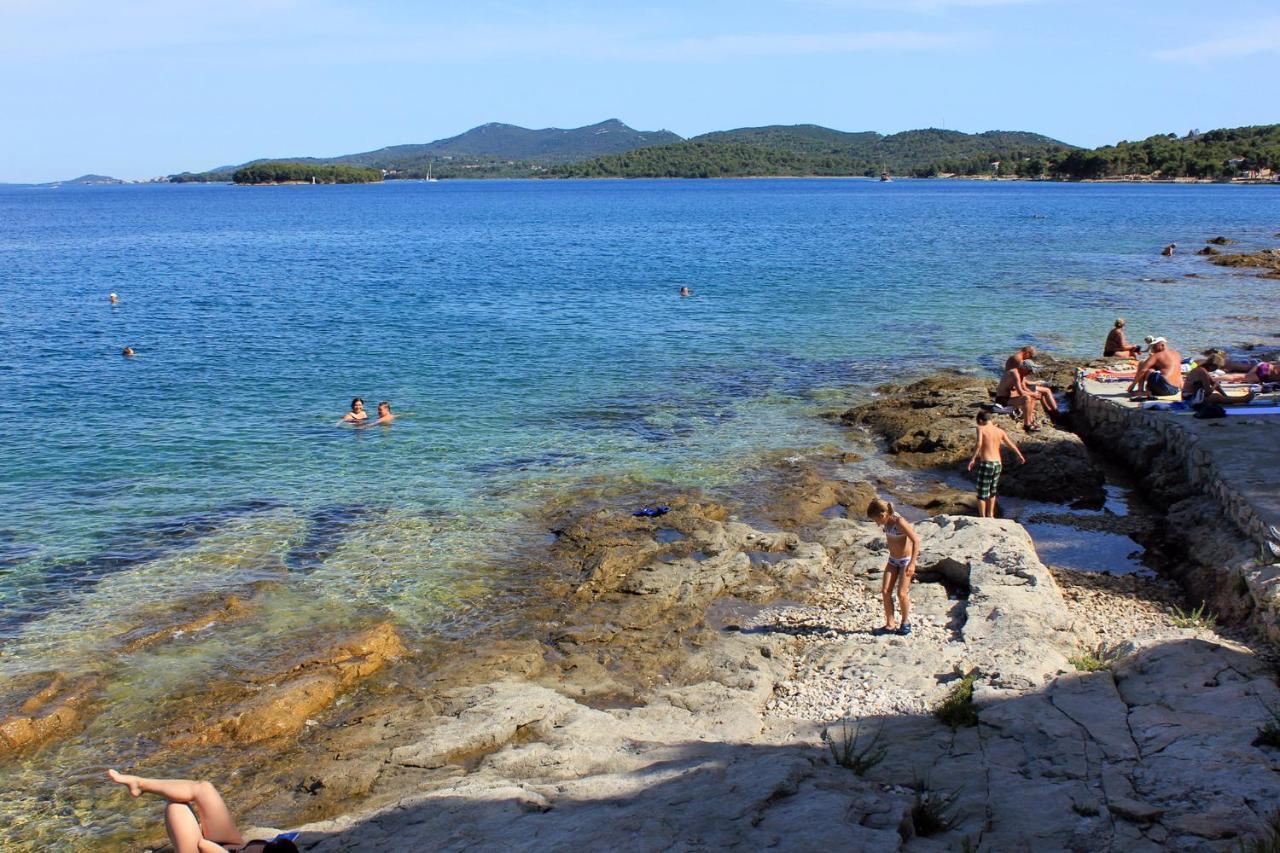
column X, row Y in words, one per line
column 533, row 331
column 531, row 328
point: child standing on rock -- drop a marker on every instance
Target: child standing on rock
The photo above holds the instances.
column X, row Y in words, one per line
column 904, row 548
column 986, row 455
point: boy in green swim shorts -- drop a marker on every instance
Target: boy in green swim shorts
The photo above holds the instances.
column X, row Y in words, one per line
column 986, row 456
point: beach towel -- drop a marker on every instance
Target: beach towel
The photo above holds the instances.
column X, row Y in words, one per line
column 1252, row 410
column 1111, row 375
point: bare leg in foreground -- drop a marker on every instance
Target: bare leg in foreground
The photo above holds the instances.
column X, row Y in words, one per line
column 187, row 834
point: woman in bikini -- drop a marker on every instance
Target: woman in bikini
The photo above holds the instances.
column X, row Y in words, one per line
column 904, row 548
column 357, row 415
column 197, row 819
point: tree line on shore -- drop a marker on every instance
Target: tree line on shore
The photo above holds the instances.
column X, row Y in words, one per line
column 275, row 172
column 799, row 150
column 1217, row 154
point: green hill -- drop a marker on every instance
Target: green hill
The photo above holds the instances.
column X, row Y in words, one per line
column 611, row 149
column 491, row 150
column 813, row 150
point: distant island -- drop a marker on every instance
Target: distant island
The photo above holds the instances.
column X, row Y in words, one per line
column 611, row 149
column 276, row 172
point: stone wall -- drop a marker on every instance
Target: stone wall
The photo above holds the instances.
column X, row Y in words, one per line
column 1220, row 533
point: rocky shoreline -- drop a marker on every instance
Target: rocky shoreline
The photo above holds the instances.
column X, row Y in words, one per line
column 675, row 676
column 1099, row 719
column 729, row 748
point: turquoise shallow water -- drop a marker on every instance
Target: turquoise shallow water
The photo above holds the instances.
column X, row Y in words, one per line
column 533, row 330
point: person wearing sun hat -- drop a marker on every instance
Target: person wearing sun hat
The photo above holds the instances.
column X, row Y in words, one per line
column 1043, row 393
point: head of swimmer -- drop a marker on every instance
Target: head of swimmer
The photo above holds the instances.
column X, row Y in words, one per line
column 384, row 409
column 127, row 352
column 357, row 406
column 879, row 511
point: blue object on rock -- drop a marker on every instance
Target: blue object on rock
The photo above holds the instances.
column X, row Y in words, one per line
column 652, row 511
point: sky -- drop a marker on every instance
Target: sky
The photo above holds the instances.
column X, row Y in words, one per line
column 142, row 88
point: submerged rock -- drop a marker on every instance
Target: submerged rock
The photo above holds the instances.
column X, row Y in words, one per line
column 54, row 707
column 283, row 702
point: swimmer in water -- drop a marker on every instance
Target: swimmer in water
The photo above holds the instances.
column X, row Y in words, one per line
column 685, row 291
column 115, row 300
column 127, row 352
column 384, row 414
column 357, row 415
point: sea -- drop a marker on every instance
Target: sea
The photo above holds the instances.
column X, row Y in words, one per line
column 532, row 338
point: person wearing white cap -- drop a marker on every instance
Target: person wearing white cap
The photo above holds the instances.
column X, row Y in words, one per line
column 1160, row 374
column 1043, row 393
column 115, row 300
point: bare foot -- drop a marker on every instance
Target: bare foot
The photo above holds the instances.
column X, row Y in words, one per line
column 123, row 779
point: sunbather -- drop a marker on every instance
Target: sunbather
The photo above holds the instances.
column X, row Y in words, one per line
column 1116, row 344
column 1013, row 391
column 1160, row 375
column 196, row 817
column 1042, row 392
column 1229, row 364
column 1263, row 371
column 1201, row 385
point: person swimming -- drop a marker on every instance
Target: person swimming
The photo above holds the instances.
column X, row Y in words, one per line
column 115, row 300
column 384, row 414
column 685, row 291
column 357, row 415
column 127, row 352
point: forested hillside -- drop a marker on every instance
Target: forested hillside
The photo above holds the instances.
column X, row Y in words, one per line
column 281, row 173
column 1225, row 153
column 814, row 150
column 611, row 149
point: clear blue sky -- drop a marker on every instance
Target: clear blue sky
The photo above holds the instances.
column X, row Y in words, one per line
column 138, row 88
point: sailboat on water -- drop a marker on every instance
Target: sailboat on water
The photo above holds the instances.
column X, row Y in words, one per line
column 430, row 179
column 885, row 177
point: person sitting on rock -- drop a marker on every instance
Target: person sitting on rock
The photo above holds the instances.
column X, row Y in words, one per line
column 986, row 456
column 1043, row 393
column 904, row 549
column 1117, row 345
column 1013, row 391
column 196, row 817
